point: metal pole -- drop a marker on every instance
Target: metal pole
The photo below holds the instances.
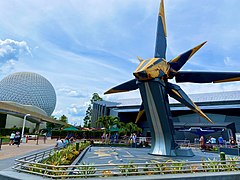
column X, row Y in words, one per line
column 1, row 143
column 24, row 122
column 37, row 138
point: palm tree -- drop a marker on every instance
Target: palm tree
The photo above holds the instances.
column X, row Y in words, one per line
column 130, row 128
column 108, row 122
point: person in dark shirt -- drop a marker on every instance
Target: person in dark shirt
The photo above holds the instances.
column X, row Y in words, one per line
column 232, row 142
column 202, row 143
column 17, row 139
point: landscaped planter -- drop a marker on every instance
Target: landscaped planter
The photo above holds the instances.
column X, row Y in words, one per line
column 65, row 156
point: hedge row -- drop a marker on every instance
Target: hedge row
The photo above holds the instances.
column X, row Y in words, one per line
column 8, row 131
column 80, row 134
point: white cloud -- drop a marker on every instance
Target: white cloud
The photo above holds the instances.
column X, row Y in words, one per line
column 10, row 52
column 192, row 88
column 7, row 67
column 77, row 110
column 71, row 93
column 228, row 61
column 11, row 49
column 58, row 113
column 134, row 61
column 123, row 95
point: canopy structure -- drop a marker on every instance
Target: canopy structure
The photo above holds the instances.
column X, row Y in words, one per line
column 19, row 110
column 114, row 129
column 71, row 128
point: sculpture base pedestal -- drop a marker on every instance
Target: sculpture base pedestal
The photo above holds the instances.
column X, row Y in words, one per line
column 178, row 152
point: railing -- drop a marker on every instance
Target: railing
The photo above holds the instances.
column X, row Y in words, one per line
column 28, row 164
column 39, row 156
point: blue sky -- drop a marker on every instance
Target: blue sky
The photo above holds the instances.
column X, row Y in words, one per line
column 83, row 47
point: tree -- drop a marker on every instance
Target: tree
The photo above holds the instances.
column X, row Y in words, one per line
column 50, row 125
column 88, row 116
column 63, row 118
column 95, row 97
column 108, row 122
column 130, row 128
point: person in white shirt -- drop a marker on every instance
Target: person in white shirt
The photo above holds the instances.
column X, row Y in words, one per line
column 59, row 144
column 134, row 139
column 213, row 140
column 12, row 138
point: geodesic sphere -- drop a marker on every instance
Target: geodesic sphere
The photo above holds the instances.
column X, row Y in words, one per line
column 29, row 89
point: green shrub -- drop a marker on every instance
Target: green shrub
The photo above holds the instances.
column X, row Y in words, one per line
column 129, row 168
column 80, row 134
column 86, row 169
column 8, row 131
column 60, row 157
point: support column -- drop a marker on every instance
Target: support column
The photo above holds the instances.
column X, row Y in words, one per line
column 37, row 131
column 156, row 106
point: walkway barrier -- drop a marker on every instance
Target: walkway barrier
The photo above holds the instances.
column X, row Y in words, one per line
column 32, row 164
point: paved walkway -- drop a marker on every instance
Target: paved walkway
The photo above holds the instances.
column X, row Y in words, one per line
column 8, row 154
column 24, row 148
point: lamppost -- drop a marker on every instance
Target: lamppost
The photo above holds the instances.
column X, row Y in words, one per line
column 24, row 121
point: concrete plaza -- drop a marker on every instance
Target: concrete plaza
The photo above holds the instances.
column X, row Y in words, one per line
column 24, row 148
column 118, row 155
column 95, row 155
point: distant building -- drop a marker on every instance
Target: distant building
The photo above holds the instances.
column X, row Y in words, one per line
column 221, row 107
column 29, row 91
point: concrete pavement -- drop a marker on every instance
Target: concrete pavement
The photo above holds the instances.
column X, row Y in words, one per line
column 24, row 148
column 8, row 154
column 96, row 155
column 118, row 155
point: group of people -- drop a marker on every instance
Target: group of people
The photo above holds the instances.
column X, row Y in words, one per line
column 212, row 141
column 64, row 142
column 114, row 137
column 133, row 140
column 15, row 138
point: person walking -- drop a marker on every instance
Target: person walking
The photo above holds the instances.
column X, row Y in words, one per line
column 202, row 143
column 103, row 137
column 220, row 140
column 134, row 139
column 232, row 142
column 17, row 138
column 12, row 138
column 116, row 137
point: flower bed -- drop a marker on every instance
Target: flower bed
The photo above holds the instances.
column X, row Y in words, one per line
column 64, row 156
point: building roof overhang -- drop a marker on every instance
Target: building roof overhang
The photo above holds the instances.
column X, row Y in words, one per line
column 36, row 114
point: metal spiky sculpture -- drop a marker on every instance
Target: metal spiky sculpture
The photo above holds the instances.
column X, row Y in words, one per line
column 151, row 77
